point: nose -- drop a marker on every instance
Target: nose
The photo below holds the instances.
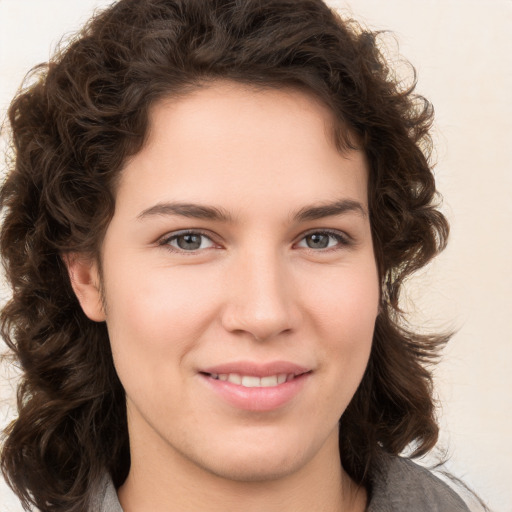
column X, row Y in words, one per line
column 262, row 299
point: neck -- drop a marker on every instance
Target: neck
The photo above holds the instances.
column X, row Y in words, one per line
column 166, row 483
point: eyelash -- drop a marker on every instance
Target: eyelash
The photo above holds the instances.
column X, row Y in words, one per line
column 342, row 240
column 166, row 241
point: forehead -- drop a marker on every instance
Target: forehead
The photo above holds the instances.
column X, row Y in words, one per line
column 228, row 141
column 225, row 111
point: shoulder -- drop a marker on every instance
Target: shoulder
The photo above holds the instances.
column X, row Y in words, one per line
column 400, row 485
column 105, row 497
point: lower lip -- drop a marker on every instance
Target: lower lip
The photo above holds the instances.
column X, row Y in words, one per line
column 258, row 398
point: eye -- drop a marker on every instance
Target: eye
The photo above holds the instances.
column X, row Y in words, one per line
column 187, row 241
column 323, row 240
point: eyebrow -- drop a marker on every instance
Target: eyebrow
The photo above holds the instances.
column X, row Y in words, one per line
column 197, row 211
column 190, row 210
column 340, row 207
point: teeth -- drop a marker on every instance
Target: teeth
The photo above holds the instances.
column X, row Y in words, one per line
column 234, row 378
column 249, row 381
column 269, row 381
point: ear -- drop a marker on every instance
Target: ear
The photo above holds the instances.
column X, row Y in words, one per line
column 85, row 280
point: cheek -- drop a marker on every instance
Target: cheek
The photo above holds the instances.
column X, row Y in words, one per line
column 345, row 301
column 343, row 312
column 156, row 317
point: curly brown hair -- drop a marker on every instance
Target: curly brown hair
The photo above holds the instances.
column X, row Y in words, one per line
column 73, row 129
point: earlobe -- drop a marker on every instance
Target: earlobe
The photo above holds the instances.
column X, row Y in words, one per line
column 85, row 280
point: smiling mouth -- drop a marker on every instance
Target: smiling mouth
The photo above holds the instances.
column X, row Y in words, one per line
column 256, row 387
column 251, row 381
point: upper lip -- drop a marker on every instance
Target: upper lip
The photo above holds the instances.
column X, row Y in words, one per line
column 257, row 369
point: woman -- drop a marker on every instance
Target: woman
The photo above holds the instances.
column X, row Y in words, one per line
column 212, row 209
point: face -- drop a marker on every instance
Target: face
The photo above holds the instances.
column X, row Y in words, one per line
column 240, row 283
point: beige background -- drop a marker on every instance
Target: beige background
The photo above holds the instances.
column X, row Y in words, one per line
column 462, row 50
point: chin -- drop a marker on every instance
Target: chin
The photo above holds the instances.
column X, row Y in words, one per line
column 262, row 469
column 255, row 460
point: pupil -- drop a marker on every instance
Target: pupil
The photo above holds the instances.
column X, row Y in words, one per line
column 318, row 241
column 189, row 242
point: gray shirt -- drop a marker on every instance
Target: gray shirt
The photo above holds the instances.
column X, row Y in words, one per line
column 398, row 485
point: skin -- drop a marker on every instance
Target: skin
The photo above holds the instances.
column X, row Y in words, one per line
column 254, row 290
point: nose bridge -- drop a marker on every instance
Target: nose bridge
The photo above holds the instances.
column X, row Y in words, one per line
column 261, row 300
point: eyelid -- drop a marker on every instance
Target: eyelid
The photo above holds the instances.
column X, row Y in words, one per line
column 165, row 240
column 344, row 239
